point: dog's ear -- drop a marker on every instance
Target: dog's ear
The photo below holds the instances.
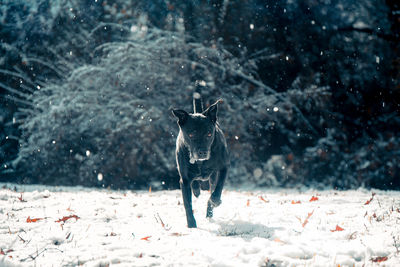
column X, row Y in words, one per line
column 181, row 115
column 211, row 111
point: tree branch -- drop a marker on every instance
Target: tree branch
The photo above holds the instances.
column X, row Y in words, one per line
column 385, row 36
column 270, row 90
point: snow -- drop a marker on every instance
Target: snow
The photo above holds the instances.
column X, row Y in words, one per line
column 275, row 227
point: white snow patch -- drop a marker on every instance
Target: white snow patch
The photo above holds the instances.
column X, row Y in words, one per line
column 360, row 25
column 276, row 227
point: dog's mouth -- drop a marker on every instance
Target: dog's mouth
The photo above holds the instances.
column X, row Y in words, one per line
column 202, row 159
column 201, row 156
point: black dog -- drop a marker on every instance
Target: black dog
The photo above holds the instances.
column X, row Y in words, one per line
column 201, row 155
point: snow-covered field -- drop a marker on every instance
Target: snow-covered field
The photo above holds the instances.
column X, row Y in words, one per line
column 250, row 228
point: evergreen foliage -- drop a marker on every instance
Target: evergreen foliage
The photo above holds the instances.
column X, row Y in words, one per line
column 310, row 90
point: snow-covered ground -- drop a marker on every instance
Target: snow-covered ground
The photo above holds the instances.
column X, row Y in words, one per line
column 250, row 228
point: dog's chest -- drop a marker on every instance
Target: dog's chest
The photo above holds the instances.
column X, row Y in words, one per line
column 201, row 170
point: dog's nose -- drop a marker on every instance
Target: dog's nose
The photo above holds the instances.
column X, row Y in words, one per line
column 203, row 154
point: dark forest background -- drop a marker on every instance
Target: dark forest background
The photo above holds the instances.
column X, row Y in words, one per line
column 311, row 90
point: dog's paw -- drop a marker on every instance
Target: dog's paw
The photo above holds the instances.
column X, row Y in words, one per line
column 209, row 213
column 214, row 202
column 196, row 188
column 192, row 224
column 196, row 192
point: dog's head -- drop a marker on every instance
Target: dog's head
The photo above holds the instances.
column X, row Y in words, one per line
column 198, row 131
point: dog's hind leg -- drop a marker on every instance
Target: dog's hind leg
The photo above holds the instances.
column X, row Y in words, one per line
column 215, row 198
column 187, row 202
column 196, row 188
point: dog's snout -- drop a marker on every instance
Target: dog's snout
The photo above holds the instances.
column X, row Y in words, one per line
column 203, row 154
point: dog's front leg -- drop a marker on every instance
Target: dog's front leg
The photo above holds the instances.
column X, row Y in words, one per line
column 187, row 202
column 215, row 198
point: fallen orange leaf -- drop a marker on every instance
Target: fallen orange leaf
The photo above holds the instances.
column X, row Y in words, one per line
column 338, row 228
column 177, row 234
column 379, row 259
column 369, row 200
column 65, row 218
column 248, row 203
column 263, row 199
column 69, row 209
column 29, row 220
column 279, row 241
column 21, row 199
column 313, row 199
column 296, row 202
column 146, row 238
column 308, row 217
